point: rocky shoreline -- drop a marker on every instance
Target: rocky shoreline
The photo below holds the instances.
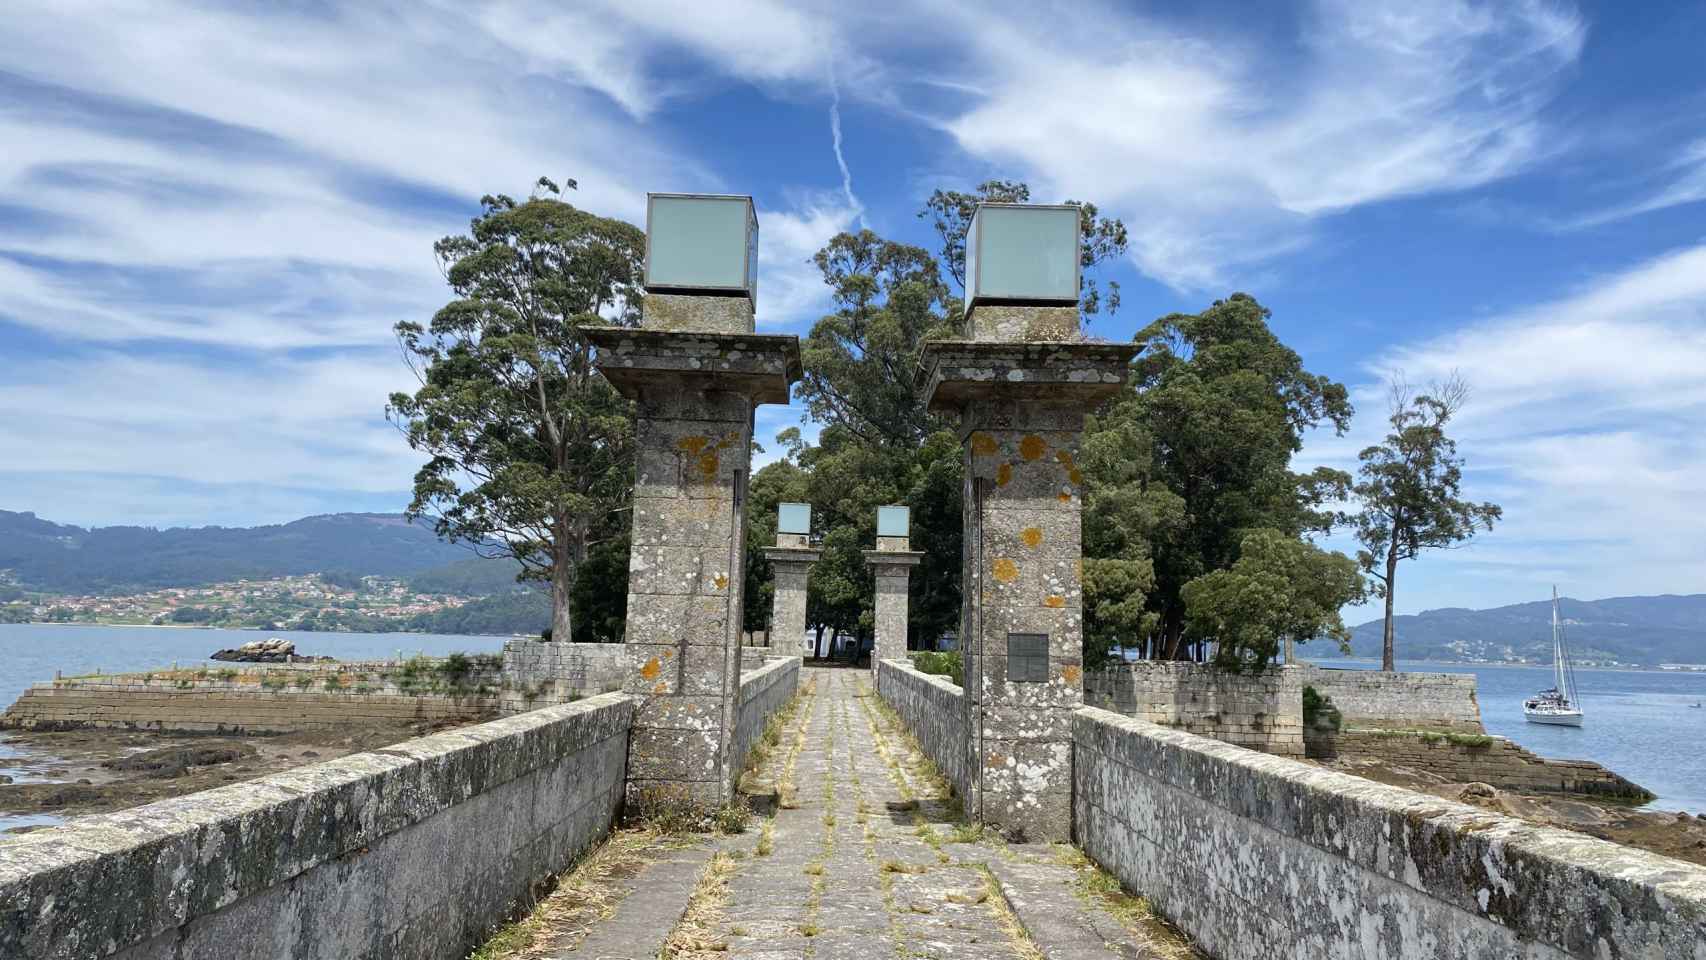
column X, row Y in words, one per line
column 271, row 650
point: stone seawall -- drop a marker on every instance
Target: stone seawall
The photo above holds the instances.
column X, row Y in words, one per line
column 1256, row 856
column 1467, row 759
column 762, row 692
column 540, row 673
column 412, row 852
column 933, row 708
column 1400, row 701
column 1262, row 711
column 255, row 700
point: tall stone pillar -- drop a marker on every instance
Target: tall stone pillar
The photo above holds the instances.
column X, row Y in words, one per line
column 695, row 371
column 892, row 562
column 791, row 561
column 1020, row 384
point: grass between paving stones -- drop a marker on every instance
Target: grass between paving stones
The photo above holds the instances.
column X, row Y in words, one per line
column 581, row 898
column 1006, row 919
column 699, row 935
column 1098, row 888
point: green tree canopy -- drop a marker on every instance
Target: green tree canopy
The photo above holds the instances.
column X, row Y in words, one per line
column 530, row 451
column 1280, row 589
column 1409, row 488
column 1224, row 405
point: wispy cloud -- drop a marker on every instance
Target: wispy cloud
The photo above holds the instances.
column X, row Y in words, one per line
column 1220, row 157
column 1584, row 424
column 1682, row 181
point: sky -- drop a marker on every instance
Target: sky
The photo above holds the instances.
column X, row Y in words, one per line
column 212, row 215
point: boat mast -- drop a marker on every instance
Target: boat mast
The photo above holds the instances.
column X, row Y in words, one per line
column 1557, row 647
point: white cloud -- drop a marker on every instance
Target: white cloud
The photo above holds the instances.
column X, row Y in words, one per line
column 1685, row 183
column 1584, row 424
column 1221, row 154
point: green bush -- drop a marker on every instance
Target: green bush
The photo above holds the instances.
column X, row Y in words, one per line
column 1316, row 707
column 946, row 664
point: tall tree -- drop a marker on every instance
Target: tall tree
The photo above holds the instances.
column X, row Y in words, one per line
column 1225, row 405
column 1409, row 487
column 530, row 450
column 1280, row 589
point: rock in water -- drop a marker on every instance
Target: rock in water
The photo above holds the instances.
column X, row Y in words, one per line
column 271, row 650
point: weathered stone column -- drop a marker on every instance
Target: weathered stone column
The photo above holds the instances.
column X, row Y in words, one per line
column 1021, row 384
column 695, row 371
column 791, row 561
column 892, row 562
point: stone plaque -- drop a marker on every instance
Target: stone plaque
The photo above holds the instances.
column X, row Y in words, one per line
column 1027, row 658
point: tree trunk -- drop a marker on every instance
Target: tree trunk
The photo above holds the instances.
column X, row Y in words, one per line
column 563, row 572
column 1388, row 661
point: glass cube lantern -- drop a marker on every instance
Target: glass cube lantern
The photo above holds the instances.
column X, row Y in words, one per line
column 1022, row 253
column 894, row 521
column 701, row 243
column 794, row 518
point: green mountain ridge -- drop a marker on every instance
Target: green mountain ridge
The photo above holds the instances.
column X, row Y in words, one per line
column 59, row 558
column 1648, row 631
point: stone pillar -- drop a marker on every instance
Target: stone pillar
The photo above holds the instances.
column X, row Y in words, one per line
column 892, row 562
column 1020, row 384
column 695, row 371
column 791, row 561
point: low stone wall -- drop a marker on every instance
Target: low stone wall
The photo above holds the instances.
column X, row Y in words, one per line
column 1257, row 856
column 1400, row 701
column 413, row 852
column 933, row 708
column 762, row 693
column 1467, row 759
column 1262, row 711
column 257, row 699
column 539, row 673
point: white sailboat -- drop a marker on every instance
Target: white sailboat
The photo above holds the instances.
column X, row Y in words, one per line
column 1557, row 706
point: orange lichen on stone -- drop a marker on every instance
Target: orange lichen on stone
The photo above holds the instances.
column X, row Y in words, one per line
column 693, row 444
column 708, row 463
column 1032, row 447
column 721, row 581
column 1006, row 570
column 1072, row 673
column 1031, row 536
column 652, row 668
column 660, row 687
column 1054, row 600
column 1072, row 473
column 1064, row 497
column 982, row 444
column 668, row 653
column 1003, row 474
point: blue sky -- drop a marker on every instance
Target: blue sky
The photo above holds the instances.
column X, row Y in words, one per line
column 211, row 216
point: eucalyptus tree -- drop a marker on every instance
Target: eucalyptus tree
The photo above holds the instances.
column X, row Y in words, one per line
column 530, row 451
column 1410, row 488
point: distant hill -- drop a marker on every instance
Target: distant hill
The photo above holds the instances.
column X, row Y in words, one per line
column 1630, row 630
column 57, row 558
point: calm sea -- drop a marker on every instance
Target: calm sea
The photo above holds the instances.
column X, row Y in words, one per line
column 1637, row 722
column 32, row 652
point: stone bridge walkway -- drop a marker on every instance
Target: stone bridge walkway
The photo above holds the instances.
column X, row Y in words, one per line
column 864, row 857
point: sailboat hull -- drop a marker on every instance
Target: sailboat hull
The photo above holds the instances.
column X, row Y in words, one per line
column 1555, row 719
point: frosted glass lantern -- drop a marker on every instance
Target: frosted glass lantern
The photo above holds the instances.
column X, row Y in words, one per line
column 1022, row 253
column 794, row 518
column 701, row 243
column 894, row 521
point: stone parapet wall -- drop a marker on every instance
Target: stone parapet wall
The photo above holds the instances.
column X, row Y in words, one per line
column 1262, row 711
column 762, row 693
column 255, row 700
column 1400, row 701
column 933, row 708
column 1257, row 856
column 542, row 673
column 410, row 853
column 1469, row 759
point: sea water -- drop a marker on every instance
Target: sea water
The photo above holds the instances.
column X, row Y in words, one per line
column 1639, row 723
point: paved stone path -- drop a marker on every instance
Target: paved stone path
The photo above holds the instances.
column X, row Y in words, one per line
column 865, row 858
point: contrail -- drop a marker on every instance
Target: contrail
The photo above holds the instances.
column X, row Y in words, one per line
column 835, row 137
